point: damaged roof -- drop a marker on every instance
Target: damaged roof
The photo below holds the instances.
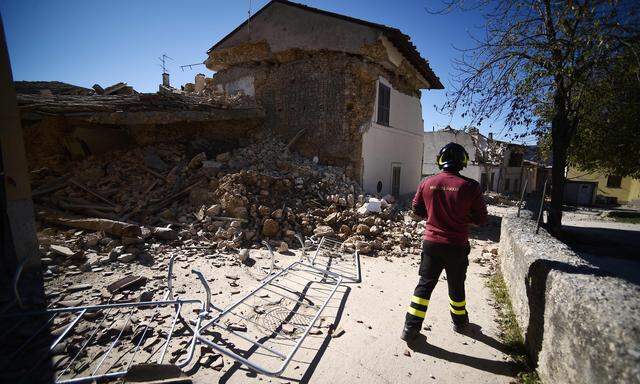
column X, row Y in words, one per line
column 401, row 41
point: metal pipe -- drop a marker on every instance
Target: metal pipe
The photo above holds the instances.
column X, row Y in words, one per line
column 173, row 325
column 95, row 330
column 290, row 299
column 264, row 282
column 183, row 363
column 260, row 345
column 114, row 343
column 205, row 285
column 273, row 258
column 259, row 368
column 64, row 333
column 169, row 294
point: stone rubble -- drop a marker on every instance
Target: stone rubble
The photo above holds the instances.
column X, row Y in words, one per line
column 132, row 205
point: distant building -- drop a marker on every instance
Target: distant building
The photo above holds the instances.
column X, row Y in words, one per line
column 497, row 165
column 584, row 188
column 434, row 141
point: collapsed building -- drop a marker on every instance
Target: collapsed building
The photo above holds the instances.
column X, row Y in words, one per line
column 347, row 91
column 61, row 120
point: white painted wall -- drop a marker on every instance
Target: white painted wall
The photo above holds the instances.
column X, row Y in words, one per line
column 400, row 142
column 434, row 141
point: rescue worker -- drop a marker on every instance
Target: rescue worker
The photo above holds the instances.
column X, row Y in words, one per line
column 449, row 202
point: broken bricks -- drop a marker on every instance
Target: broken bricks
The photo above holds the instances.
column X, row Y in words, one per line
column 128, row 282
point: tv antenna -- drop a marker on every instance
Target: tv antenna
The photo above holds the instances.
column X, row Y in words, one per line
column 190, row 66
column 163, row 60
column 249, row 22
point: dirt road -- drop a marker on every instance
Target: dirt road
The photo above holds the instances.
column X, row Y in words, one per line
column 358, row 342
column 371, row 314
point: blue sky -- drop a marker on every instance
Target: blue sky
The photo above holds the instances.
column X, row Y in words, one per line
column 84, row 42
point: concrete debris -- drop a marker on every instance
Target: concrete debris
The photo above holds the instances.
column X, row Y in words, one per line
column 289, row 329
column 243, row 255
column 79, row 287
column 118, row 89
column 336, row 331
column 284, row 247
column 61, row 250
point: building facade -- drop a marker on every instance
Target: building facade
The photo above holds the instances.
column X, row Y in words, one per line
column 347, row 88
column 497, row 165
column 588, row 188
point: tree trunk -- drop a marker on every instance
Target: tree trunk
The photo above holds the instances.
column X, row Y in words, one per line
column 559, row 130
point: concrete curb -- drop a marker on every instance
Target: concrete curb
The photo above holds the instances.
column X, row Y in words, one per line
column 580, row 324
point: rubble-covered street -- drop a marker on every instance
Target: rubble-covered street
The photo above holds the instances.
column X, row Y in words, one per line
column 350, row 339
column 233, row 192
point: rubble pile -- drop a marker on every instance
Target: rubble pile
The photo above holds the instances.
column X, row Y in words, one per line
column 133, row 204
column 499, row 199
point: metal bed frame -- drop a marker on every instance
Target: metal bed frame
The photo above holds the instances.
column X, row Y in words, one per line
column 292, row 285
column 100, row 313
column 330, row 256
column 302, row 291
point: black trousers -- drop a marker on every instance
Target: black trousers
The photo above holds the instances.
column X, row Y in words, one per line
column 436, row 257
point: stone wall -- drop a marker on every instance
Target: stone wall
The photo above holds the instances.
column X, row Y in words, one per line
column 54, row 140
column 580, row 324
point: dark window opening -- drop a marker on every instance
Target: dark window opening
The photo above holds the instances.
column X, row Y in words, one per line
column 614, row 181
column 506, row 185
column 493, row 174
column 483, row 181
column 515, row 159
column 395, row 181
column 384, row 104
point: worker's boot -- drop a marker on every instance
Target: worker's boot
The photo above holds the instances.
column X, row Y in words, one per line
column 409, row 333
column 461, row 326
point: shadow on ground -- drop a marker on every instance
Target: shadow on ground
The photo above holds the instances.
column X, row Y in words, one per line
column 497, row 367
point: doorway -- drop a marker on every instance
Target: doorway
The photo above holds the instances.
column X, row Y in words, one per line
column 396, row 169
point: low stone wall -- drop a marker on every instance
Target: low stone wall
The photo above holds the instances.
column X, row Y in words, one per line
column 580, row 324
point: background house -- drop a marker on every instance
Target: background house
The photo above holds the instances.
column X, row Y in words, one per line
column 434, row 141
column 497, row 165
column 347, row 89
column 584, row 188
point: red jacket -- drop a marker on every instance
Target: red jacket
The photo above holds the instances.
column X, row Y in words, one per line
column 449, row 202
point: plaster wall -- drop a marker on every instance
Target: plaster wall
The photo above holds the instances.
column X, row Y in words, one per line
column 284, row 27
column 400, row 143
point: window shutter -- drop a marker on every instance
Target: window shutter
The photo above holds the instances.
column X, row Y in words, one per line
column 384, row 104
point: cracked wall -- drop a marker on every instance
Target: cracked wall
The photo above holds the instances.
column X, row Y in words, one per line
column 329, row 95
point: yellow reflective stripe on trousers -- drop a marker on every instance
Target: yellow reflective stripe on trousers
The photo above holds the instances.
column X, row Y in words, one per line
column 415, row 312
column 419, row 300
column 458, row 312
column 458, row 303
